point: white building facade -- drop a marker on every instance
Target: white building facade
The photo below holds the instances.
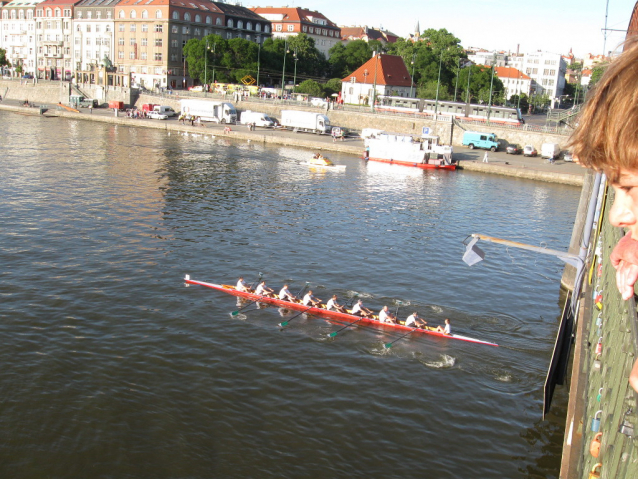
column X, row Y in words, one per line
column 18, row 36
column 547, row 71
column 93, row 35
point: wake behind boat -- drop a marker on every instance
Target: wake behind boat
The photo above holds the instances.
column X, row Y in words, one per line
column 320, row 310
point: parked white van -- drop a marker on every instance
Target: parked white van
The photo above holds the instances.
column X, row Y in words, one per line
column 164, row 110
column 259, row 119
column 550, row 150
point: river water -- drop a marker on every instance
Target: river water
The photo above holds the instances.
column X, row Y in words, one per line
column 113, row 368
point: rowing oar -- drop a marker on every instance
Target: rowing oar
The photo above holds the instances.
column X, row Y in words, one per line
column 285, row 323
column 235, row 313
column 333, row 334
column 389, row 345
column 258, row 281
column 302, row 290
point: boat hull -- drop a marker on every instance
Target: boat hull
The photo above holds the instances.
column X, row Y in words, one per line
column 423, row 166
column 331, row 314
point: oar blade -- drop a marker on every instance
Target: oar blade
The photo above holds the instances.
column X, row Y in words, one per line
column 387, row 345
column 234, row 313
column 283, row 324
column 333, row 334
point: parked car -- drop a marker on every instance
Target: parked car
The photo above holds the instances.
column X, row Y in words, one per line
column 27, row 76
column 196, row 88
column 567, row 156
column 513, row 149
column 318, row 102
column 156, row 115
column 529, row 150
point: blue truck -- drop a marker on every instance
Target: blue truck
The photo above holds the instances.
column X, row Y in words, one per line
column 476, row 139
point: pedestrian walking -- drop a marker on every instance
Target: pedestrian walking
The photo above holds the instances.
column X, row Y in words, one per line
column 486, row 158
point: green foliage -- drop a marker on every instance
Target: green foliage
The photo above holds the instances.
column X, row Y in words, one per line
column 480, row 78
column 310, row 87
column 523, row 104
column 596, row 73
column 332, row 86
column 344, row 59
column 3, row 58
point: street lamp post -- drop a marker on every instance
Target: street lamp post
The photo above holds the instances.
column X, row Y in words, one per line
column 283, row 71
column 467, row 93
column 438, row 82
column 489, row 106
column 458, row 70
column 374, row 89
column 214, row 49
column 412, row 77
column 294, row 78
column 206, row 64
column 258, row 59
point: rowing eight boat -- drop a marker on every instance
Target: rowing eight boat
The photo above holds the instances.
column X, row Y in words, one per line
column 320, row 311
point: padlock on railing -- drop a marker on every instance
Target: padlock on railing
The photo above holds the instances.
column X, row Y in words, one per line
column 600, row 395
column 597, row 363
column 595, row 423
column 594, row 447
column 595, row 473
column 599, row 345
column 600, row 270
column 599, row 320
column 626, row 427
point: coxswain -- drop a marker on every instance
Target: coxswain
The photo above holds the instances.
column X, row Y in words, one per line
column 310, row 300
column 445, row 330
column 241, row 285
column 286, row 295
column 386, row 317
column 413, row 321
column 263, row 290
column 332, row 304
column 359, row 310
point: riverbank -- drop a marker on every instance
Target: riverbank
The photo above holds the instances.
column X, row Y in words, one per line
column 470, row 160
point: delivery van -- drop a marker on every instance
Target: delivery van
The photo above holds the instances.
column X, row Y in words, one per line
column 550, row 150
column 475, row 139
column 258, row 119
column 164, row 110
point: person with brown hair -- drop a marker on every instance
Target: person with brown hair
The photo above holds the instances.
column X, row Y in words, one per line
column 606, row 139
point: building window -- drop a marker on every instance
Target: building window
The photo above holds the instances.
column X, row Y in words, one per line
column 144, row 41
column 131, row 41
column 158, row 28
column 174, row 43
column 198, row 19
column 175, row 15
column 249, row 26
column 133, row 27
column 120, row 27
column 240, row 24
column 175, row 29
column 88, row 41
column 158, row 57
column 120, row 55
column 291, row 28
column 145, row 27
column 158, row 14
column 304, row 28
column 158, row 42
column 98, row 15
column 133, row 14
column 278, row 28
column 173, row 57
column 187, row 17
column 120, row 41
column 131, row 55
column 121, row 14
column 218, row 21
column 311, row 29
column 230, row 23
column 266, row 29
column 58, row 12
column 144, row 14
column 67, row 12
column 144, row 56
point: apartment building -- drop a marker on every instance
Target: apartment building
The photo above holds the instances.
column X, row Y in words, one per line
column 93, row 33
column 54, row 21
column 515, row 81
column 17, row 35
column 547, row 71
column 292, row 21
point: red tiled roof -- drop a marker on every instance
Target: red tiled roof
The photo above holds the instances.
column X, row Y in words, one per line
column 293, row 14
column 509, row 72
column 390, row 70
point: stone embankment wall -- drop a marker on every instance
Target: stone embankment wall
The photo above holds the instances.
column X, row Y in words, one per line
column 602, row 404
column 53, row 92
column 449, row 133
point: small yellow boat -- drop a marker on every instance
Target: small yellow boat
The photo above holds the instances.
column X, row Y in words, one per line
column 320, row 160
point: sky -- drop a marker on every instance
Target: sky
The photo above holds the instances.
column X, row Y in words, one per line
column 527, row 26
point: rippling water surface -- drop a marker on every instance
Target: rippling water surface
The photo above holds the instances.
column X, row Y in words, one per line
column 111, row 367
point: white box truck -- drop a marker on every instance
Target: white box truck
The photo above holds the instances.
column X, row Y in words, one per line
column 217, row 111
column 305, row 121
column 259, row 119
column 550, row 150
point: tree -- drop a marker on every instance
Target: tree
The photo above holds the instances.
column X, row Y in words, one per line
column 346, row 59
column 596, row 73
column 310, row 87
column 3, row 58
column 480, row 79
column 332, row 86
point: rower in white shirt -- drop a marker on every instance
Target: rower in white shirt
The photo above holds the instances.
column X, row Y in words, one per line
column 310, row 300
column 332, row 304
column 263, row 290
column 359, row 310
column 445, row 330
column 285, row 294
column 241, row 285
column 413, row 321
column 385, row 316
